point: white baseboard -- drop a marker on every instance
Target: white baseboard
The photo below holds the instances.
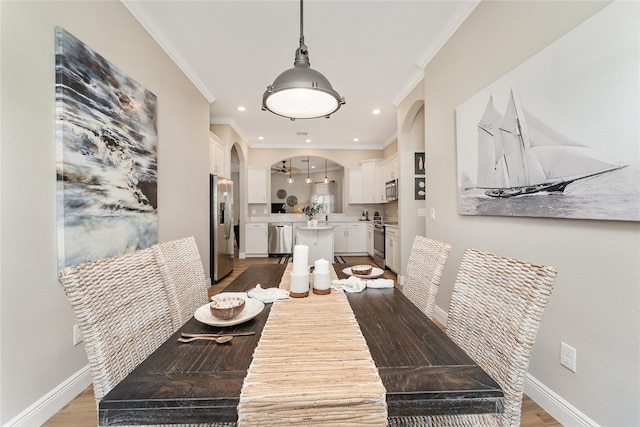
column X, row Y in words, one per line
column 45, row 407
column 440, row 315
column 565, row 413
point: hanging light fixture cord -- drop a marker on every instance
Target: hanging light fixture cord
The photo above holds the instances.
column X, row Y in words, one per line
column 302, row 53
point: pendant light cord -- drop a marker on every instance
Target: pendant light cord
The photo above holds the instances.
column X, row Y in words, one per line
column 301, row 26
column 302, row 53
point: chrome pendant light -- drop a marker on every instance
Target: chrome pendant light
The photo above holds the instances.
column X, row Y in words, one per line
column 300, row 92
column 308, row 177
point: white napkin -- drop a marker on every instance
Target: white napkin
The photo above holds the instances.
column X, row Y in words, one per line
column 268, row 295
column 356, row 284
column 380, row 283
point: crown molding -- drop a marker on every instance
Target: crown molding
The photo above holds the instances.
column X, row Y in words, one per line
column 392, row 138
column 414, row 81
column 147, row 23
column 229, row 121
column 454, row 23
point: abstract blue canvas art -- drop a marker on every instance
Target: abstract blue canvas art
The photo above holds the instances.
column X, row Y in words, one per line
column 106, row 145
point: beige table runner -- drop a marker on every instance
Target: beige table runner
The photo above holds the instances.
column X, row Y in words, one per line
column 312, row 367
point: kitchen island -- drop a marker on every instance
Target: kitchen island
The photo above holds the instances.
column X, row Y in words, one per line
column 319, row 239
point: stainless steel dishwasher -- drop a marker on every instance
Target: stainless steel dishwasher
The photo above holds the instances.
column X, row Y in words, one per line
column 280, row 239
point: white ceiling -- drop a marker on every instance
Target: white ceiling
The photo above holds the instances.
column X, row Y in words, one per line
column 372, row 52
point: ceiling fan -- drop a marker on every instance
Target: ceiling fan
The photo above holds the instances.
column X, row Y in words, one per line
column 284, row 169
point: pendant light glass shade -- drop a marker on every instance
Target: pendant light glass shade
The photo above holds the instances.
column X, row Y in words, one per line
column 326, row 179
column 290, row 167
column 301, row 92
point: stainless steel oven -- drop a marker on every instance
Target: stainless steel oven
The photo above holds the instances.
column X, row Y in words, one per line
column 378, row 245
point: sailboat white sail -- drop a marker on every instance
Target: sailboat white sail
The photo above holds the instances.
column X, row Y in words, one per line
column 518, row 157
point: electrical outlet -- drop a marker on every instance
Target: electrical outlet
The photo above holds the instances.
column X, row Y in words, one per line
column 433, row 214
column 568, row 356
column 77, row 335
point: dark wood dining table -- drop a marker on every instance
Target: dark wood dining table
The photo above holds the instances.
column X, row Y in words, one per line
column 422, row 369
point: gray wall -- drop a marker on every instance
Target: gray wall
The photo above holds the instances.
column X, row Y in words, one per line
column 36, row 325
column 595, row 304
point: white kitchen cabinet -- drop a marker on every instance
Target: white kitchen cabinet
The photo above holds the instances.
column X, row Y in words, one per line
column 369, row 182
column 392, row 249
column 257, row 184
column 255, row 239
column 339, row 238
column 383, row 174
column 370, row 240
column 394, row 172
column 216, row 156
column 355, row 185
column 350, row 238
column 363, row 183
column 357, row 238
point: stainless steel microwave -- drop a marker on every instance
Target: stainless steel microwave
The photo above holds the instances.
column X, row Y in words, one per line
column 391, row 190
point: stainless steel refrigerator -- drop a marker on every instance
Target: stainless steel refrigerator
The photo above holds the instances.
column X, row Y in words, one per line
column 221, row 226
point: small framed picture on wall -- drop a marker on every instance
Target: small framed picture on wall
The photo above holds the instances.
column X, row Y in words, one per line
column 419, row 163
column 420, row 190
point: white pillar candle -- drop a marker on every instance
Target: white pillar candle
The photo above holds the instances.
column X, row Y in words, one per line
column 299, row 285
column 321, row 282
column 321, row 266
column 301, row 259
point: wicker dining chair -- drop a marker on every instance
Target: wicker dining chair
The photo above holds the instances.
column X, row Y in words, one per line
column 495, row 312
column 123, row 312
column 424, row 271
column 181, row 269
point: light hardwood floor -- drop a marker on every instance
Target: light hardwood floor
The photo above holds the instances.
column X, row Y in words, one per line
column 81, row 411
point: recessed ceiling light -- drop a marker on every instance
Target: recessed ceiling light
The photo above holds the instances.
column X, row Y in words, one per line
column 356, row 139
column 307, row 140
column 261, row 138
column 241, row 108
column 376, row 111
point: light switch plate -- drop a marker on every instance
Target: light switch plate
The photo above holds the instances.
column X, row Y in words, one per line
column 568, row 356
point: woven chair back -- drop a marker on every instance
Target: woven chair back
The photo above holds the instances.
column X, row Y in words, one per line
column 424, row 271
column 123, row 313
column 181, row 268
column 495, row 312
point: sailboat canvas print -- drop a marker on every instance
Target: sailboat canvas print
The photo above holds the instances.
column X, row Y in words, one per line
column 559, row 135
column 106, row 140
